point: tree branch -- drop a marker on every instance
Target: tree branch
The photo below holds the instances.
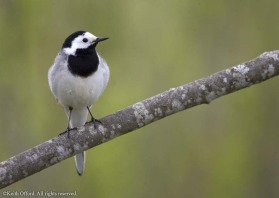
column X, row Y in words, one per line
column 201, row 91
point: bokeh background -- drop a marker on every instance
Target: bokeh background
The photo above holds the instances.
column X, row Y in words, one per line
column 226, row 149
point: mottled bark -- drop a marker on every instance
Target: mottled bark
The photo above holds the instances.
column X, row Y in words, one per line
column 201, row 91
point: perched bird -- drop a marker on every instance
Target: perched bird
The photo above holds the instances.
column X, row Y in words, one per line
column 77, row 78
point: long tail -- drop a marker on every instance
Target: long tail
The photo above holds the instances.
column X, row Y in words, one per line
column 78, row 118
column 80, row 162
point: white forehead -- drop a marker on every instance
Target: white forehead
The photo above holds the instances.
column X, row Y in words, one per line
column 78, row 43
column 89, row 35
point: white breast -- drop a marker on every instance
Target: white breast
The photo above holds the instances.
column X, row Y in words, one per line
column 74, row 91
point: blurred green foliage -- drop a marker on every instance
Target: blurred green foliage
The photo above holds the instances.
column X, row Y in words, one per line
column 226, row 149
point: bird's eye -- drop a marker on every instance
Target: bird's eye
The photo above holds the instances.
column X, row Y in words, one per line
column 85, row 40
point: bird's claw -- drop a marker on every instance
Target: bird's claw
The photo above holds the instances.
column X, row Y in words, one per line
column 94, row 121
column 67, row 131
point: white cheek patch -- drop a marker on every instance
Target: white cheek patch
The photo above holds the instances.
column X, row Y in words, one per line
column 76, row 44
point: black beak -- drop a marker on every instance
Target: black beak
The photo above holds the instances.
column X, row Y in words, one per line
column 99, row 39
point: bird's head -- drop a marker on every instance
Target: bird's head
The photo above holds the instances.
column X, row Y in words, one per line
column 80, row 43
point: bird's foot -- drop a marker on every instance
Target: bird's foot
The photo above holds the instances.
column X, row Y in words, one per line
column 94, row 121
column 67, row 131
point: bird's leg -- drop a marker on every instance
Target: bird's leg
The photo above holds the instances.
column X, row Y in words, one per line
column 92, row 118
column 68, row 126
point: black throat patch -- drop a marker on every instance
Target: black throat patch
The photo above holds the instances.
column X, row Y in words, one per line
column 84, row 63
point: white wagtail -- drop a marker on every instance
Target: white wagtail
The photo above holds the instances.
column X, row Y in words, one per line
column 77, row 79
